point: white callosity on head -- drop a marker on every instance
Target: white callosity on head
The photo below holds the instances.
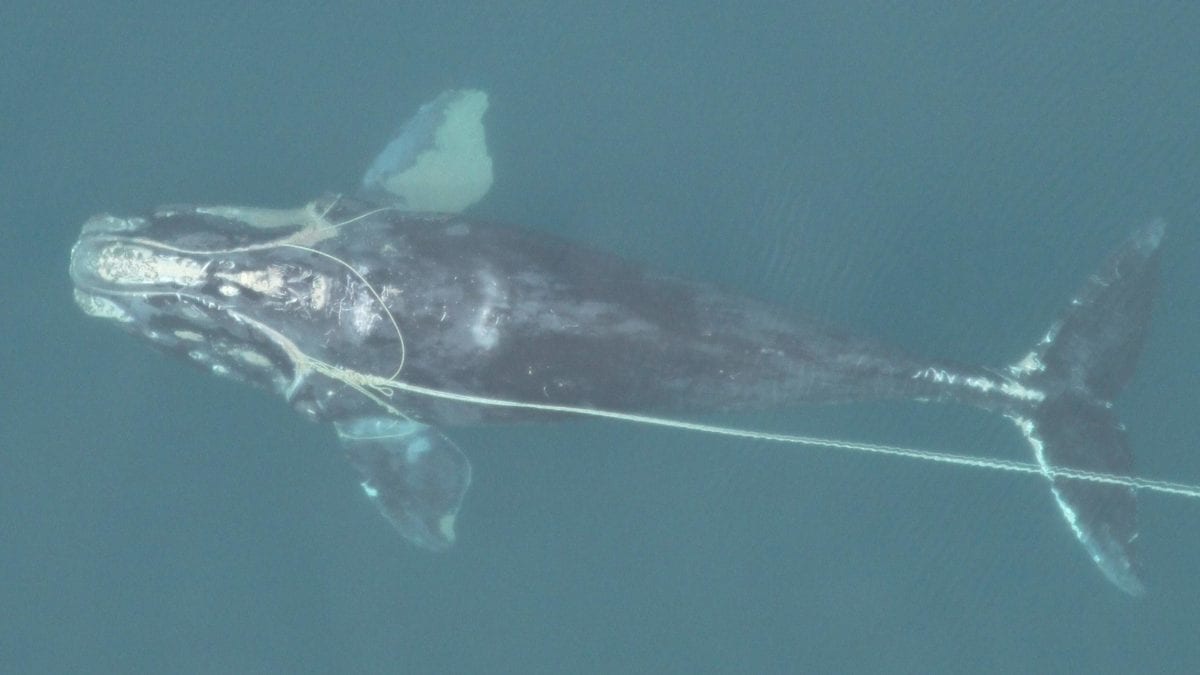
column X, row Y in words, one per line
column 277, row 283
column 101, row 307
column 251, row 357
column 269, row 281
column 318, row 294
column 134, row 265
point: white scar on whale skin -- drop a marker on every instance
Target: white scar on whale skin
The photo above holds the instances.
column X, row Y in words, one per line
column 486, row 328
column 362, row 313
column 983, row 384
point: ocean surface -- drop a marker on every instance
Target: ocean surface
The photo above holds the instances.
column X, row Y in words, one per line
column 936, row 176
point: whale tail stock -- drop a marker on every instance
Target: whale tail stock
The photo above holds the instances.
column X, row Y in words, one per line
column 1080, row 365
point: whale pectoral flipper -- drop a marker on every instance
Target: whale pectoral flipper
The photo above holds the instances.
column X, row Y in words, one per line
column 1079, row 367
column 415, row 476
column 439, row 160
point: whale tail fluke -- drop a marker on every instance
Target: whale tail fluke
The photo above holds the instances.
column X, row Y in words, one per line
column 1081, row 364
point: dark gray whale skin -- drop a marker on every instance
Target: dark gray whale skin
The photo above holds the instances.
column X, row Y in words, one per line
column 576, row 327
column 509, row 313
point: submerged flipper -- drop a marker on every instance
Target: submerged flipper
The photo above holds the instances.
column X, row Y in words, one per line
column 415, row 476
column 438, row 161
column 1080, row 365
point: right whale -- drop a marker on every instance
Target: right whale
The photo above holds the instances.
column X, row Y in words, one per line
column 394, row 324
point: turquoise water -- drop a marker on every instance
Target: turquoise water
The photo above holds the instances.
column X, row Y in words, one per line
column 940, row 178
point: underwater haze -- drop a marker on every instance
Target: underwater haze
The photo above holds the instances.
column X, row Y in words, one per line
column 941, row 177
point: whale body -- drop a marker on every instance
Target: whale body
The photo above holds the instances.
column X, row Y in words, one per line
column 394, row 317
